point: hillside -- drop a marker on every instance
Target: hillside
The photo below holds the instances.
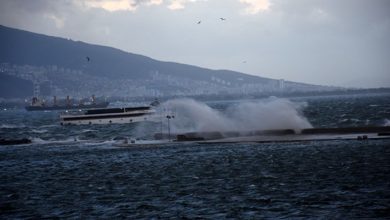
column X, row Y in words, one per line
column 80, row 69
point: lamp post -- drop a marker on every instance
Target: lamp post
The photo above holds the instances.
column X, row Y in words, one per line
column 169, row 127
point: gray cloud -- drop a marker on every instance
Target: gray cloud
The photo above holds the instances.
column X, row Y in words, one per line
column 316, row 41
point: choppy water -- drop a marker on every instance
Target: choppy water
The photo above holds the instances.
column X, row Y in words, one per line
column 349, row 111
column 57, row 176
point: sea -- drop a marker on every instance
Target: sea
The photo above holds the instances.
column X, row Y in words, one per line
column 80, row 172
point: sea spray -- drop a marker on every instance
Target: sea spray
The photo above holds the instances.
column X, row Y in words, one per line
column 146, row 130
column 191, row 115
column 272, row 113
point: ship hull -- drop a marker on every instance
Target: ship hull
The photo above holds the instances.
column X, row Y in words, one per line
column 119, row 119
column 111, row 116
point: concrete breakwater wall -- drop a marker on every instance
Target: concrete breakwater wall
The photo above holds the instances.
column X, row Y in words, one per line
column 215, row 135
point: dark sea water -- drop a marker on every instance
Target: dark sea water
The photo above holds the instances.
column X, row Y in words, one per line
column 77, row 171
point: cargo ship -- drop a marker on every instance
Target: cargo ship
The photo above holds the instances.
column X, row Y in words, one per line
column 39, row 105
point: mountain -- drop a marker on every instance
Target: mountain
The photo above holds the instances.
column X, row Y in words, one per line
column 81, row 69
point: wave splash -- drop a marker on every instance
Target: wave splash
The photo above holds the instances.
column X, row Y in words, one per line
column 272, row 113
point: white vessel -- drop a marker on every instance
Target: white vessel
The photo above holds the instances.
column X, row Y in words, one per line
column 111, row 116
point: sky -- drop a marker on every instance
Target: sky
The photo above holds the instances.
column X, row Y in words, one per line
column 324, row 42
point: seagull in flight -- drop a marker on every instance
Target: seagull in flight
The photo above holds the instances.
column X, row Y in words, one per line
column 223, row 19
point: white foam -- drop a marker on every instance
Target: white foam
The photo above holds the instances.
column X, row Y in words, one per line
column 12, row 126
column 272, row 113
column 49, row 126
column 98, row 143
column 87, row 130
column 36, row 140
column 39, row 131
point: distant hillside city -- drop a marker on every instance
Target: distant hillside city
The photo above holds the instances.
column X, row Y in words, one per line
column 53, row 80
column 38, row 65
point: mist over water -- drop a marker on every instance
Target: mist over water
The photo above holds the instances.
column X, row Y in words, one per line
column 272, row 113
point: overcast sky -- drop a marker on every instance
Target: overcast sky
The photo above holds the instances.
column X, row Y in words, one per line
column 327, row 42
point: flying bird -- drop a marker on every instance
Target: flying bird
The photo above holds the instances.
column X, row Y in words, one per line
column 88, row 59
column 223, row 19
column 199, row 22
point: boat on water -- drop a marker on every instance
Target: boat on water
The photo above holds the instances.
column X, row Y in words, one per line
column 39, row 105
column 111, row 115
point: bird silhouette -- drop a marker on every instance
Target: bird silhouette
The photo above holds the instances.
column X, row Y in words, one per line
column 88, row 59
column 223, row 19
column 199, row 22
